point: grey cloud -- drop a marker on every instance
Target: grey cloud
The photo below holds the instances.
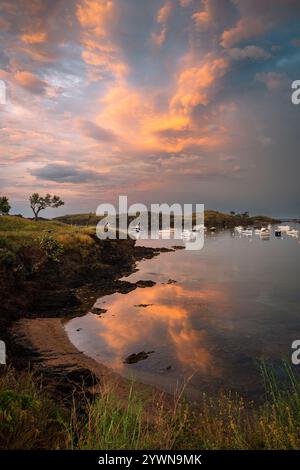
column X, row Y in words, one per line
column 64, row 173
column 248, row 52
column 96, row 132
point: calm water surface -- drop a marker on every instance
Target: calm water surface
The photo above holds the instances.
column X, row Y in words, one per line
column 234, row 302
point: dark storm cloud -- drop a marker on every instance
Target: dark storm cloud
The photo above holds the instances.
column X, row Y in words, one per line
column 64, row 174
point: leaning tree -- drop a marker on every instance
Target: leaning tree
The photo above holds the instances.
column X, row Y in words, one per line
column 39, row 203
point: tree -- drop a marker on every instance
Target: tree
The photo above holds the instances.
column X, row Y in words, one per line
column 39, row 203
column 4, row 205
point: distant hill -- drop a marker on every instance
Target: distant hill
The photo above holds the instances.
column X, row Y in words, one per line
column 212, row 218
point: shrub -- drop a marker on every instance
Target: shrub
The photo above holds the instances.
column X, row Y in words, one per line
column 51, row 247
column 7, row 257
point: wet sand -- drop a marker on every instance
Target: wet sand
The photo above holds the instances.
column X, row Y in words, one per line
column 52, row 350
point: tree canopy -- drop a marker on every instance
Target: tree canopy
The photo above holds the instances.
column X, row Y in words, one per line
column 39, row 203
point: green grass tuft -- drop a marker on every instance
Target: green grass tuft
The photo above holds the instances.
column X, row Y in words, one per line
column 30, row 418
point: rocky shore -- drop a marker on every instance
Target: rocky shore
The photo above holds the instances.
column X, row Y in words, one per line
column 38, row 295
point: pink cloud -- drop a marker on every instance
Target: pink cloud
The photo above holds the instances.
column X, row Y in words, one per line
column 246, row 28
column 31, row 82
column 204, row 17
column 195, row 83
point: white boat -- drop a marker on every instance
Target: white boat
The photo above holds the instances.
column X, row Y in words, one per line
column 293, row 233
column 247, row 231
column 239, row 229
column 283, row 228
column 137, row 229
column 188, row 235
column 198, row 228
column 265, row 233
column 257, row 231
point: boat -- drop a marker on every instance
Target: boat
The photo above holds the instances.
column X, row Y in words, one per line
column 239, row 229
column 265, row 233
column 293, row 232
column 247, row 231
column 188, row 235
column 198, row 228
column 257, row 231
column 283, row 228
column 212, row 229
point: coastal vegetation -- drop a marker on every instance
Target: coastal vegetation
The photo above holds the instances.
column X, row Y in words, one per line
column 31, row 418
column 44, row 265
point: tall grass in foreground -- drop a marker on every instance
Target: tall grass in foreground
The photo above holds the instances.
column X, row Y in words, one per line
column 137, row 424
column 30, row 419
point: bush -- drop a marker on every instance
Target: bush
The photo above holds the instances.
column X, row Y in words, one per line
column 7, row 257
column 52, row 248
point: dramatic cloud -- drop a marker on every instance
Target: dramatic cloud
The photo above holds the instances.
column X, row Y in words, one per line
column 248, row 52
column 195, row 83
column 34, row 38
column 204, row 17
column 162, row 18
column 31, row 82
column 163, row 100
column 246, row 28
column 63, row 174
column 96, row 132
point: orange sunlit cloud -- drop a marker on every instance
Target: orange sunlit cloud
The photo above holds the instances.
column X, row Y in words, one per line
column 34, row 38
column 133, row 88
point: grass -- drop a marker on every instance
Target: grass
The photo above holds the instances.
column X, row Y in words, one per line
column 77, row 230
column 30, row 418
column 19, row 232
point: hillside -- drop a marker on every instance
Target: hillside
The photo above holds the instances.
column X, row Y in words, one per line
column 211, row 217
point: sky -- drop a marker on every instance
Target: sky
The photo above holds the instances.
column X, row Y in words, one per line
column 164, row 101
